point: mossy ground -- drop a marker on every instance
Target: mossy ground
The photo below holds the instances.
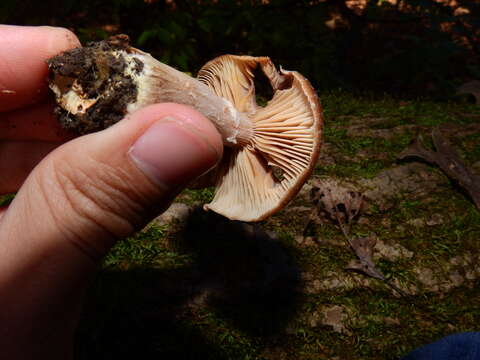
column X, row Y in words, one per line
column 209, row 289
column 6, row 199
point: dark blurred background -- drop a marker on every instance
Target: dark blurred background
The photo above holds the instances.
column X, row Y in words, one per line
column 408, row 48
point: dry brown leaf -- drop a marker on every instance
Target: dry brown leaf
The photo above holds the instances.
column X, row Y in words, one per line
column 336, row 203
column 363, row 248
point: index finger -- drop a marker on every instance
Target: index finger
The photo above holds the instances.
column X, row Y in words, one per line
column 23, row 68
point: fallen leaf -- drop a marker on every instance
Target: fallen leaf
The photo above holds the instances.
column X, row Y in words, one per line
column 335, row 202
column 363, row 248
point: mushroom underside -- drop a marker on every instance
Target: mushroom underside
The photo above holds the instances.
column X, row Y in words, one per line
column 259, row 179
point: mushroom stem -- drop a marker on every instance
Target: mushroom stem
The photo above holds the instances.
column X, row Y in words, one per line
column 97, row 85
column 161, row 83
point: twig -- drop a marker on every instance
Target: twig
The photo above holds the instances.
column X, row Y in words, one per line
column 447, row 159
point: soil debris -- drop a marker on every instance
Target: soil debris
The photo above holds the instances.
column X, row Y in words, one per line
column 97, row 81
column 334, row 316
column 176, row 212
column 413, row 180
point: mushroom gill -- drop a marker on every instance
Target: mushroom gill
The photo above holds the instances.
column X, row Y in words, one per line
column 287, row 136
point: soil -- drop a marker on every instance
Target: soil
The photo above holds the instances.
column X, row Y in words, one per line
column 99, row 74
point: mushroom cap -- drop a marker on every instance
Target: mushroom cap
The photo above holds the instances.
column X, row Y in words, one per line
column 256, row 180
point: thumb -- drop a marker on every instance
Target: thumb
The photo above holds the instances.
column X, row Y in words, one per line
column 73, row 207
column 104, row 186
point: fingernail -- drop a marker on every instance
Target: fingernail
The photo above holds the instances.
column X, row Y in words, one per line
column 173, row 153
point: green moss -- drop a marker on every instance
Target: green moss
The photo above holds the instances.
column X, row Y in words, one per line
column 6, row 199
column 471, row 148
column 421, row 112
column 146, row 249
column 192, row 196
column 362, row 169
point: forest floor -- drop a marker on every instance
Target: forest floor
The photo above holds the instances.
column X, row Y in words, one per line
column 194, row 285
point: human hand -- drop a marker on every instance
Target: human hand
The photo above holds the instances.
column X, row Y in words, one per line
column 75, row 198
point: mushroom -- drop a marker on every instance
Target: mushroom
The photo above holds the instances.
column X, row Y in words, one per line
column 269, row 150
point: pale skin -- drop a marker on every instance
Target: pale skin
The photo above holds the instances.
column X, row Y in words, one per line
column 76, row 196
